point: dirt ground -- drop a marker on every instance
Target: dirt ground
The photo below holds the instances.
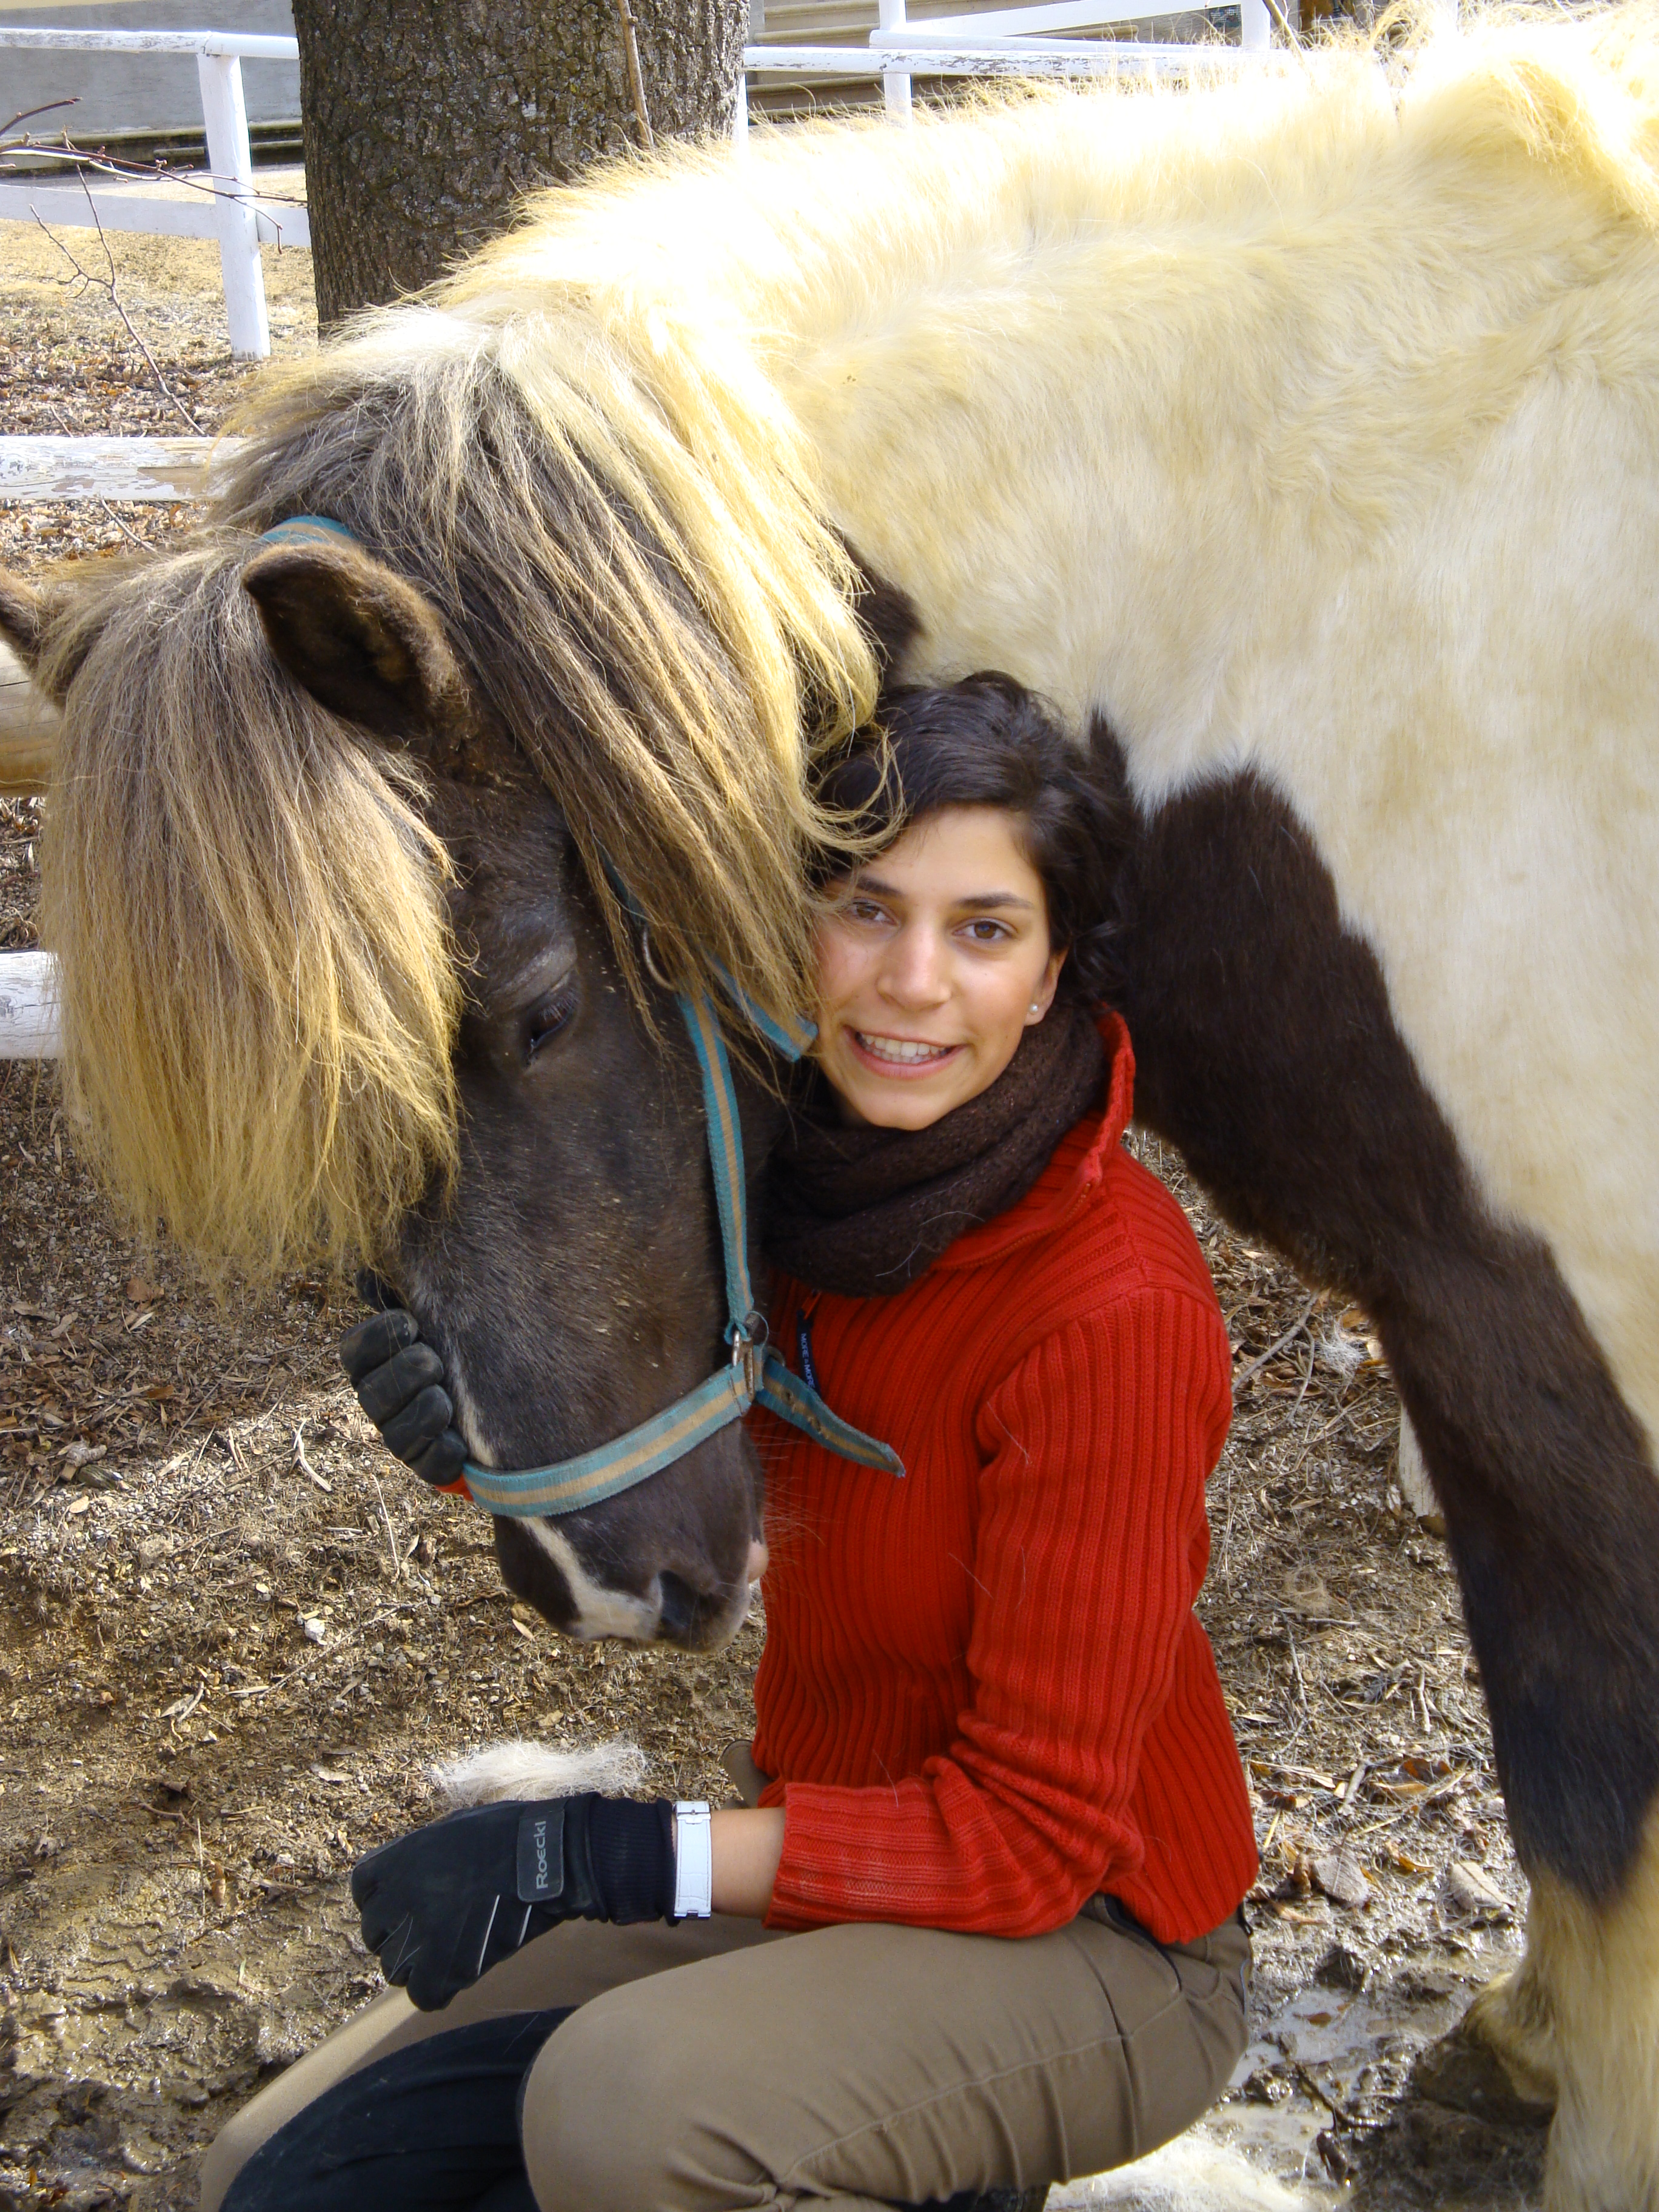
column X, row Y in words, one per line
column 233, row 1636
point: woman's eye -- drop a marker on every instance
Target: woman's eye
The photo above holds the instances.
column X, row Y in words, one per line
column 547, row 1018
column 988, row 933
column 864, row 910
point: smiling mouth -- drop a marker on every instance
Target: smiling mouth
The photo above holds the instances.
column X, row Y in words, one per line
column 903, row 1052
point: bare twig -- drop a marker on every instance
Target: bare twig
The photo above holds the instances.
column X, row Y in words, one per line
column 1296, row 1662
column 46, row 107
column 108, row 285
column 635, row 78
column 106, row 164
column 304, row 1464
column 391, row 1540
column 186, row 1711
column 1247, row 1375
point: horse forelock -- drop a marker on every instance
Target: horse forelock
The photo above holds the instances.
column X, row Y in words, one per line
column 258, row 991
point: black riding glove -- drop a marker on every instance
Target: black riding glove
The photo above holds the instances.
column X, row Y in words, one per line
column 398, row 1380
column 444, row 1903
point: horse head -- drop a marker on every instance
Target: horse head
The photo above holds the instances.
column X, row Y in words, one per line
column 334, row 972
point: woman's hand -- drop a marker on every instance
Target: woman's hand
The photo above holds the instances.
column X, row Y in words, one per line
column 398, row 1380
column 444, row 1903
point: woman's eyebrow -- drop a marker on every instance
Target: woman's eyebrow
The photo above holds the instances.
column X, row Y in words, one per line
column 982, row 900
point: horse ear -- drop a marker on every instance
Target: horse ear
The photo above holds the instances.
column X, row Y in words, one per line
column 363, row 641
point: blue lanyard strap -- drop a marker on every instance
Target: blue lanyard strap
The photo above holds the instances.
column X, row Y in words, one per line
column 756, row 1371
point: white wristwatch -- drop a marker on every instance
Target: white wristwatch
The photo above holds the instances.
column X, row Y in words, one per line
column 693, row 1860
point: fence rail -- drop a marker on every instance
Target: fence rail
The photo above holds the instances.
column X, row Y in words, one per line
column 150, row 471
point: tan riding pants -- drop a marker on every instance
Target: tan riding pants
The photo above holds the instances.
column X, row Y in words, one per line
column 716, row 2065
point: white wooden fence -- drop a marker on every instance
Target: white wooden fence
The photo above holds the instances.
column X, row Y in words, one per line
column 1007, row 42
column 219, row 201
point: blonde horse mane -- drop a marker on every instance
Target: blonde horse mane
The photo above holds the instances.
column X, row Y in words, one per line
column 258, row 991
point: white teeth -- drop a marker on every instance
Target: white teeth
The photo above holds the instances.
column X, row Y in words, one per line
column 901, row 1050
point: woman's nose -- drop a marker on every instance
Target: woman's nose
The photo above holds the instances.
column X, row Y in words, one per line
column 914, row 973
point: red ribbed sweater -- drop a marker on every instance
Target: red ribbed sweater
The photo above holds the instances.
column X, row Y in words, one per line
column 984, row 1694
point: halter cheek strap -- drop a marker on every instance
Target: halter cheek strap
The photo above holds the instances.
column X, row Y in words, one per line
column 756, row 1371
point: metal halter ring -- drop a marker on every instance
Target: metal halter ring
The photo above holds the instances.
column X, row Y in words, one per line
column 747, row 1339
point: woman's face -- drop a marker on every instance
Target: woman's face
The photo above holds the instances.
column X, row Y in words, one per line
column 933, row 960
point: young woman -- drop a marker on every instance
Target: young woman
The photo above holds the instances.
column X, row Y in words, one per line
column 977, row 1927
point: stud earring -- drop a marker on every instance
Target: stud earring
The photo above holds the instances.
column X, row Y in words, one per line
column 1035, row 1007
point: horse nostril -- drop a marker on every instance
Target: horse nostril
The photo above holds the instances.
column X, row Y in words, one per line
column 681, row 1606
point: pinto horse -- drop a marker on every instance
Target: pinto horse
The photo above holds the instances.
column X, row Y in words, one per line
column 1299, row 439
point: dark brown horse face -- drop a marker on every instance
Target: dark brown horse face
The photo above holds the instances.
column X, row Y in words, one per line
column 571, row 1281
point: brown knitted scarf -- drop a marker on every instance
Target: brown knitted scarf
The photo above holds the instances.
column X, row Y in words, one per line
column 863, row 1212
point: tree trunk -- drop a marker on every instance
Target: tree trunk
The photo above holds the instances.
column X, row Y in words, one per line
column 425, row 120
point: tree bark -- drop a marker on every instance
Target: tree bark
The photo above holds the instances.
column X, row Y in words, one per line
column 426, row 119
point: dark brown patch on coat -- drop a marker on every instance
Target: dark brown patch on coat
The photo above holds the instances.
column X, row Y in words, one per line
column 890, row 616
column 1266, row 1049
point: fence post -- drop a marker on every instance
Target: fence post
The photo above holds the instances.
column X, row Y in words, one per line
column 895, row 87
column 225, row 113
column 1255, row 29
column 740, row 114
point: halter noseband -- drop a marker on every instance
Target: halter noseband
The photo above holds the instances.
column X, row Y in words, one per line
column 755, row 1371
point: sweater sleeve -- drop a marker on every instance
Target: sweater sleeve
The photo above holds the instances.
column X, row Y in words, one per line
column 1090, row 1547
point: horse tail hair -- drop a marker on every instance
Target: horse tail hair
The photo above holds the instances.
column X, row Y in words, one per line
column 258, row 990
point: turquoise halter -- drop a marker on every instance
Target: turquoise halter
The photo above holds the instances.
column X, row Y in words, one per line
column 756, row 1372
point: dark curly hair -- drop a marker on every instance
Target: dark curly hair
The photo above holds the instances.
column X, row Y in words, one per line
column 986, row 741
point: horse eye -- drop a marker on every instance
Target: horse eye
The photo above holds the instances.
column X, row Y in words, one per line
column 547, row 1018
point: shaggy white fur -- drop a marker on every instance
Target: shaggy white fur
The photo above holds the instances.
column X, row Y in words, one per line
column 520, row 1769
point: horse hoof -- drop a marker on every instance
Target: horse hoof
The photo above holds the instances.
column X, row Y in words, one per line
column 1463, row 2072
